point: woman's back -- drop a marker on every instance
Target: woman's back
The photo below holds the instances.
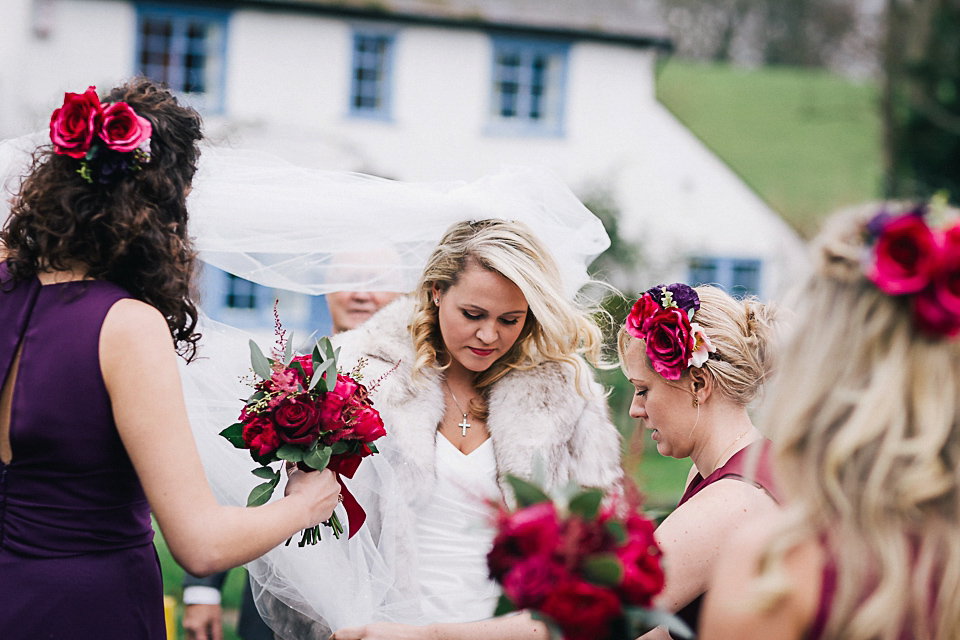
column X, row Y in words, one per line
column 75, row 531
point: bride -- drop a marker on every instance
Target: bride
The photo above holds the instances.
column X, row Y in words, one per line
column 484, row 369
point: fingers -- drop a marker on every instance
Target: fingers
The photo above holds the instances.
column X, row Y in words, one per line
column 349, row 633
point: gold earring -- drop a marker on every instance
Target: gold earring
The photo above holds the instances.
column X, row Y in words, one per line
column 696, row 401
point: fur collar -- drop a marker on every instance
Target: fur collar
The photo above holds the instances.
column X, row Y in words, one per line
column 531, row 413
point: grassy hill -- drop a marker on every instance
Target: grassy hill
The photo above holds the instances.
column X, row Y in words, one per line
column 807, row 141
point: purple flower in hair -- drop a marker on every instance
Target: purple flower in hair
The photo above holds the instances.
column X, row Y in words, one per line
column 679, row 294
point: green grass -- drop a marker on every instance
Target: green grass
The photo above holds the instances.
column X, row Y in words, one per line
column 806, row 141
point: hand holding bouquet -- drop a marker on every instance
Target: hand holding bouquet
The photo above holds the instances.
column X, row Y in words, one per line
column 305, row 412
column 588, row 571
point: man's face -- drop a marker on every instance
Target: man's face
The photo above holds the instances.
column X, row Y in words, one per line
column 350, row 309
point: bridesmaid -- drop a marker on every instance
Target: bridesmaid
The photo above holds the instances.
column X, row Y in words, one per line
column 94, row 305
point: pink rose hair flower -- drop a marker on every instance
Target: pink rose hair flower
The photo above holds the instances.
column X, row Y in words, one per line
column 663, row 319
column 908, row 257
column 109, row 139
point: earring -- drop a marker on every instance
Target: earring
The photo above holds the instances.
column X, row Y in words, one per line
column 436, row 302
column 696, row 401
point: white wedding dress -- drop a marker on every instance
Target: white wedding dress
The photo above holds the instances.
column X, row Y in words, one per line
column 455, row 533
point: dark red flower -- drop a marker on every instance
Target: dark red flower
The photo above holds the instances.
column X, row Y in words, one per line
column 669, row 342
column 306, row 363
column 73, row 126
column 260, row 437
column 906, row 255
column 530, row 581
column 528, row 532
column 366, row 424
column 584, row 611
column 123, row 130
column 297, row 420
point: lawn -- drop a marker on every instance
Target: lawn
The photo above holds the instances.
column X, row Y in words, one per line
column 807, row 141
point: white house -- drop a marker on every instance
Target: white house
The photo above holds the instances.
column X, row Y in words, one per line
column 420, row 90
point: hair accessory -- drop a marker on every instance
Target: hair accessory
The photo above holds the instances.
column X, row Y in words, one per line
column 109, row 139
column 663, row 319
column 907, row 256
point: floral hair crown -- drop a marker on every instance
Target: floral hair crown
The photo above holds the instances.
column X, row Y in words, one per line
column 906, row 256
column 663, row 319
column 109, row 139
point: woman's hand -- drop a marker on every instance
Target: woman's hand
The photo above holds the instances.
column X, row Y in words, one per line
column 320, row 492
column 382, row 631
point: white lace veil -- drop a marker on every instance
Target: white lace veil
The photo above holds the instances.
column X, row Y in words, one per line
column 315, row 232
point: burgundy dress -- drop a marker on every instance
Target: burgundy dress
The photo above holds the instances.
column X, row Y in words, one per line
column 754, row 468
column 77, row 560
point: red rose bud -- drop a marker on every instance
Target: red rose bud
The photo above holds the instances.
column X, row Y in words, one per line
column 367, row 424
column 947, row 279
column 297, row 420
column 260, row 437
column 123, row 130
column 306, row 363
column 73, row 126
column 905, row 256
column 529, row 582
column 582, row 610
column 668, row 342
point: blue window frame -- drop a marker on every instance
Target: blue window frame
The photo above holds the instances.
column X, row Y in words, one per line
column 370, row 73
column 240, row 293
column 529, row 78
column 738, row 277
column 184, row 48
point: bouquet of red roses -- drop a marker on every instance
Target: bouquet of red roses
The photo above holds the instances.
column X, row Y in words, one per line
column 304, row 411
column 586, row 571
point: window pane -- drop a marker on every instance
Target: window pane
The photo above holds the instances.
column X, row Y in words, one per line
column 241, row 294
column 369, row 72
column 703, row 271
column 526, row 83
column 746, row 278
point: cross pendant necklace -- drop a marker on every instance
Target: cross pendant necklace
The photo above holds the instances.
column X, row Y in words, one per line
column 463, row 424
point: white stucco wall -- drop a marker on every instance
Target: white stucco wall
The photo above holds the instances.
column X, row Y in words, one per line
column 286, row 91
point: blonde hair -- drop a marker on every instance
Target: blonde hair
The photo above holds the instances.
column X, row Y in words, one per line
column 867, row 424
column 555, row 329
column 744, row 334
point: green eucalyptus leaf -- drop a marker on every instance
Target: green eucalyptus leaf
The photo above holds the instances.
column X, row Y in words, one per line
column 618, row 531
column 330, row 371
column 504, row 606
column 603, row 569
column 288, row 351
column 234, row 435
column 261, row 493
column 642, row 620
column 290, row 452
column 317, row 382
column 526, row 493
column 340, row 447
column 317, row 458
column 266, row 473
column 587, row 504
column 373, row 447
column 261, row 366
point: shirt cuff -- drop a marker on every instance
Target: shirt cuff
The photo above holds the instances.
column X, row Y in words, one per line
column 197, row 594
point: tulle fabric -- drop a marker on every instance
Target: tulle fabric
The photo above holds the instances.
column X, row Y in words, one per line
column 335, row 583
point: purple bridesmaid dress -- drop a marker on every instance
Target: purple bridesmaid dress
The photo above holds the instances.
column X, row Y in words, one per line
column 77, row 560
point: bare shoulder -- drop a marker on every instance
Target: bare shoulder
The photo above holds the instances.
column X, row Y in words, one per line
column 727, row 500
column 735, row 608
column 133, row 329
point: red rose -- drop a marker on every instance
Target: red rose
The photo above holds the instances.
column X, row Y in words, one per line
column 530, row 581
column 669, row 343
column 334, row 402
column 932, row 317
column 906, row 256
column 529, row 532
column 298, row 421
column 581, row 538
column 584, row 611
column 306, row 363
column 947, row 279
column 73, row 125
column 367, row 425
column 123, row 130
column 260, row 437
column 644, row 308
column 642, row 573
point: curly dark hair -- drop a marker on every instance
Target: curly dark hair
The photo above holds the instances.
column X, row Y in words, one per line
column 132, row 232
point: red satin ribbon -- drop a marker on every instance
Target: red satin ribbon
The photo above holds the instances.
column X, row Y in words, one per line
column 345, row 464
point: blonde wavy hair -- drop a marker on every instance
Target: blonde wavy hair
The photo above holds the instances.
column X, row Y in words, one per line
column 556, row 329
column 866, row 421
column 745, row 336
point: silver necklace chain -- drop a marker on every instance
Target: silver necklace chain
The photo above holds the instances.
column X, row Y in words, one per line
column 464, row 425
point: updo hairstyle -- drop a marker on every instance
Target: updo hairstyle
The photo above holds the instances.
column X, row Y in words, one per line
column 744, row 334
column 132, row 232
